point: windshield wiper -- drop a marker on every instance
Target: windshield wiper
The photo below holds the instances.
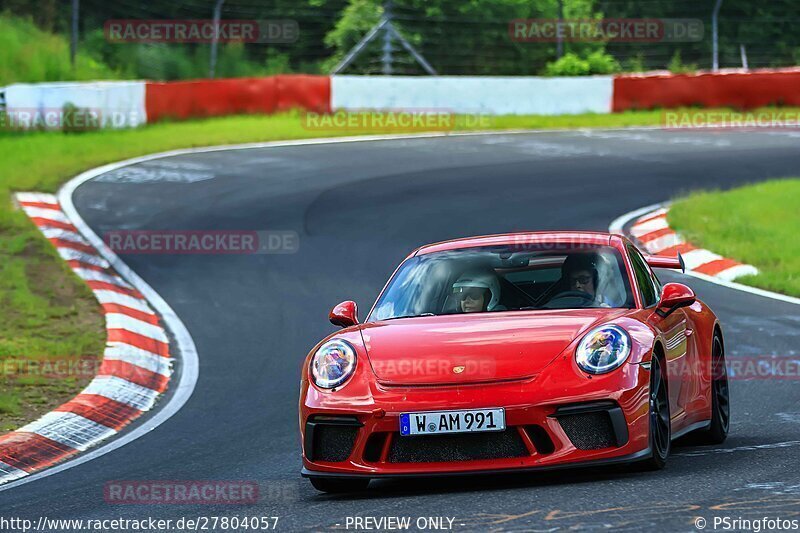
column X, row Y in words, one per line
column 410, row 316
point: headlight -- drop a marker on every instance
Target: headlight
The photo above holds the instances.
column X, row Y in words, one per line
column 333, row 363
column 603, row 349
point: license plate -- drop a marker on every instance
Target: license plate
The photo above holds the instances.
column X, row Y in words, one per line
column 441, row 422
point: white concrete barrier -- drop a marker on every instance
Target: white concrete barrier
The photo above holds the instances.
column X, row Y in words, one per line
column 485, row 95
column 113, row 104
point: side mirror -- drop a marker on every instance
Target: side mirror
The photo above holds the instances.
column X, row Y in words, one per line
column 345, row 314
column 674, row 296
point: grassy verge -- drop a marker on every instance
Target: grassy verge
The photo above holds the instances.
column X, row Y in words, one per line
column 757, row 224
column 45, row 311
column 46, row 314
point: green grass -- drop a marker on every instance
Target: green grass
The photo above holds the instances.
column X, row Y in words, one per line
column 9, row 404
column 757, row 224
column 46, row 311
column 32, row 55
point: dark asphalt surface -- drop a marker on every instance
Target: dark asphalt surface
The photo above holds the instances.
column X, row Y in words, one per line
column 359, row 208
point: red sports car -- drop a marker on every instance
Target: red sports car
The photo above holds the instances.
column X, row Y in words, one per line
column 512, row 352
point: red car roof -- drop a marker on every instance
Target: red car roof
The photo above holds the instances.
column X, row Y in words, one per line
column 521, row 239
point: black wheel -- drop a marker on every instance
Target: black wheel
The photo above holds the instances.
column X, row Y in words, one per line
column 338, row 486
column 660, row 427
column 717, row 432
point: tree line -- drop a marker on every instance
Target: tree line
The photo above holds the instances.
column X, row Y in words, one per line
column 456, row 37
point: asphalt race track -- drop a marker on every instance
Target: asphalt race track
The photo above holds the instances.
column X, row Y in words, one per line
column 358, row 209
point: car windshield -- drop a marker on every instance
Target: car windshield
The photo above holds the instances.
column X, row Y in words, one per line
column 505, row 278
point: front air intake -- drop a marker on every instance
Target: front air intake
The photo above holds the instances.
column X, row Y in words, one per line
column 457, row 447
column 594, row 425
column 330, row 438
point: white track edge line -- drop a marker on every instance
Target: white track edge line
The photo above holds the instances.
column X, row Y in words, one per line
column 618, row 224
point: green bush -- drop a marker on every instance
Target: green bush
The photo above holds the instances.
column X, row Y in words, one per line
column 635, row 63
column 597, row 62
column 28, row 54
column 278, row 63
column 677, row 66
column 602, row 63
column 568, row 65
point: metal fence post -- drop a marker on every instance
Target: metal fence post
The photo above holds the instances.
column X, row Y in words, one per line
column 715, row 35
column 212, row 67
column 73, row 39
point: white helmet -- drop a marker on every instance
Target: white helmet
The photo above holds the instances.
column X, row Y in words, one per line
column 480, row 280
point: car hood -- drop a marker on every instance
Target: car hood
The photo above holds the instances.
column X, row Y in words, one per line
column 460, row 349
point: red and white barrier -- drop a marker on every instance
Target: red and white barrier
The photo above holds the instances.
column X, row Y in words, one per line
column 129, row 104
column 655, row 235
column 134, row 372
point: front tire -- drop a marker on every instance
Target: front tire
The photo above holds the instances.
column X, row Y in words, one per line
column 660, row 431
column 339, row 486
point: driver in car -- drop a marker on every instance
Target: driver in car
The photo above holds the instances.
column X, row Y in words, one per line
column 580, row 273
column 477, row 292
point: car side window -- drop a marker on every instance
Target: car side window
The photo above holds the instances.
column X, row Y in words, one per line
column 656, row 282
column 644, row 278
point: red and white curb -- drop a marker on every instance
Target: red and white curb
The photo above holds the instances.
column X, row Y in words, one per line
column 621, row 224
column 136, row 365
column 655, row 235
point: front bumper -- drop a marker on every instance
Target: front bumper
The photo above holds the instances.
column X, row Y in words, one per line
column 610, row 461
column 552, row 422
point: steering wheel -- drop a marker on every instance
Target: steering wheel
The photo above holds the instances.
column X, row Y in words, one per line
column 585, row 296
